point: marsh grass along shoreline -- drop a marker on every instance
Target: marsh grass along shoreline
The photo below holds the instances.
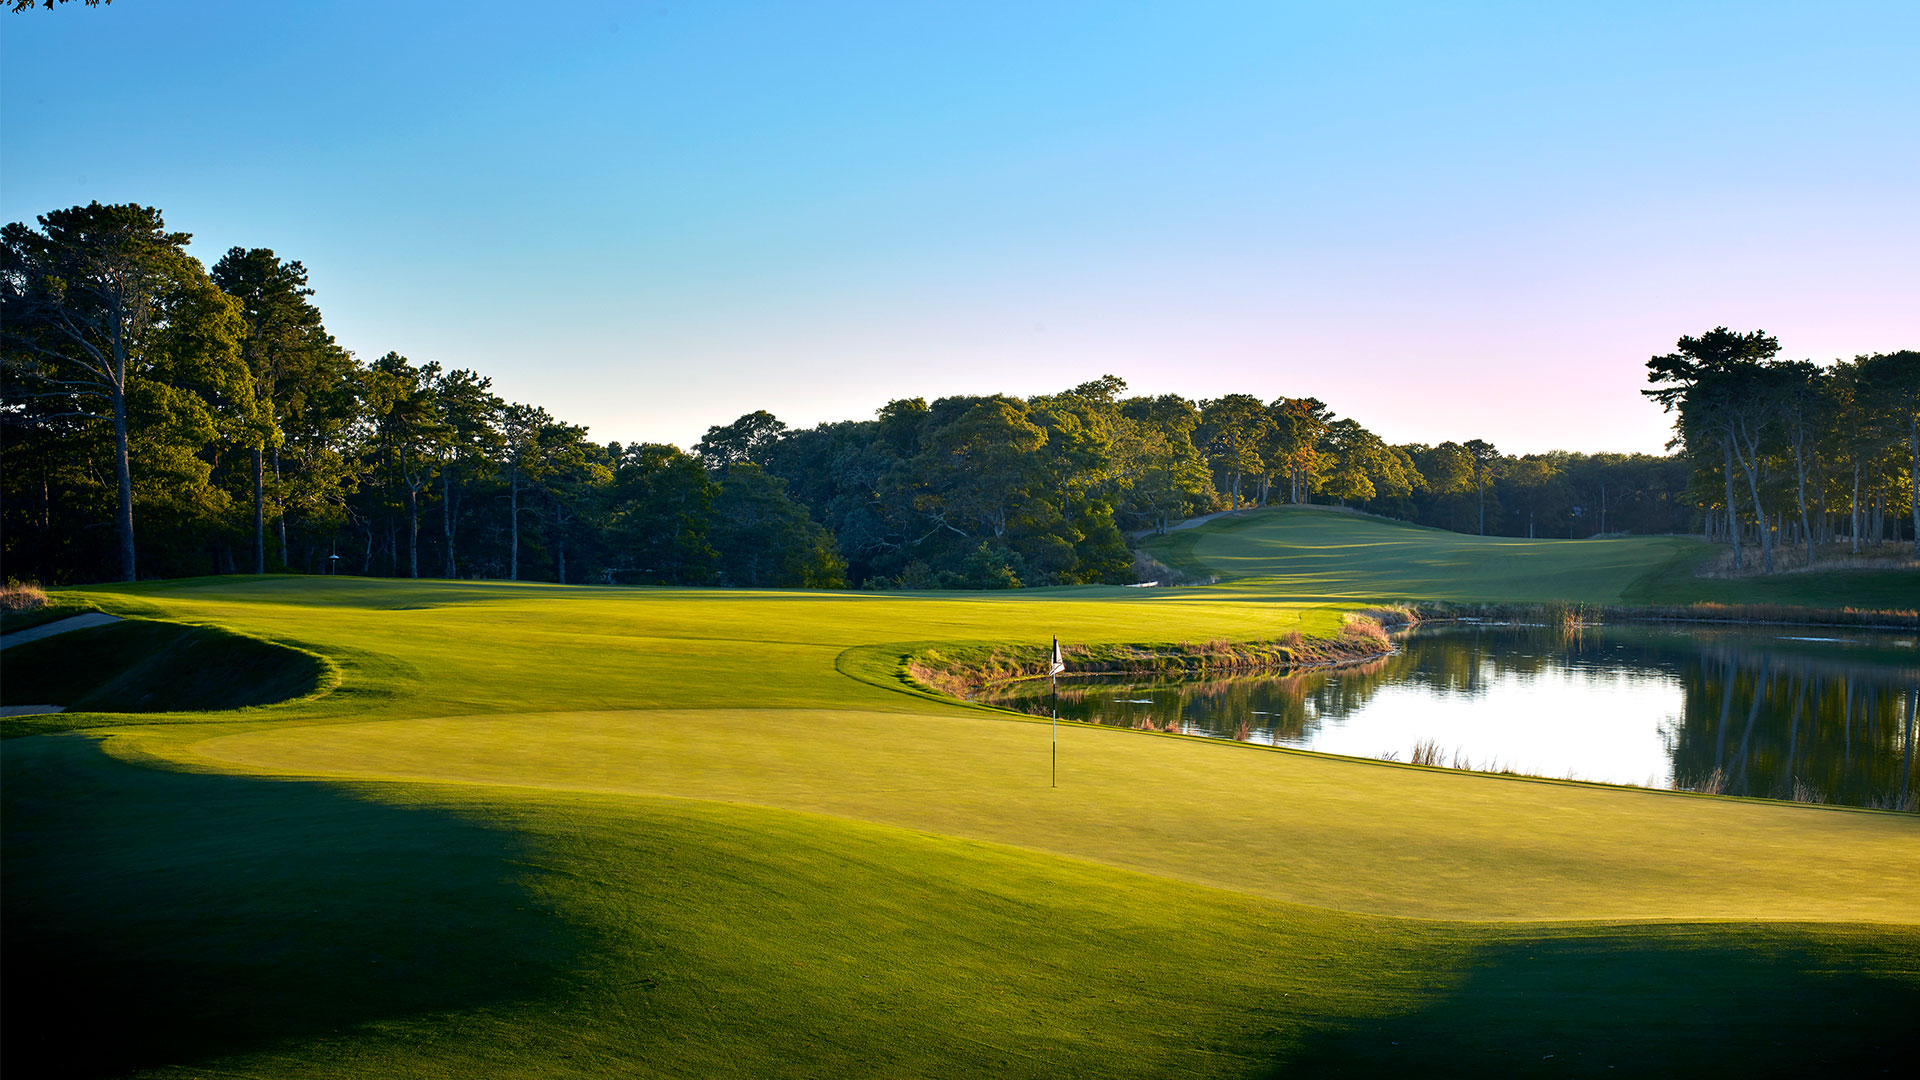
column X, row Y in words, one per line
column 965, row 671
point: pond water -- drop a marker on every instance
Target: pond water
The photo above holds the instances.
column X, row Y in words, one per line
column 1789, row 713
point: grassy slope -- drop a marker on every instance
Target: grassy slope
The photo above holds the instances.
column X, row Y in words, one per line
column 737, row 861
column 311, row 930
column 1289, row 826
column 1320, row 554
column 1313, row 553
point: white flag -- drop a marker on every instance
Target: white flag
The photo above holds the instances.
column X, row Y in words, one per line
column 1059, row 665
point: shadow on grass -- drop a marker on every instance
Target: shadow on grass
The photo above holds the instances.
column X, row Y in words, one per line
column 368, row 683
column 142, row 666
column 156, row 917
column 1746, row 1001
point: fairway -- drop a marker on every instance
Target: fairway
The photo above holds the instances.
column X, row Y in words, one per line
column 1318, row 553
column 1314, row 553
column 541, row 830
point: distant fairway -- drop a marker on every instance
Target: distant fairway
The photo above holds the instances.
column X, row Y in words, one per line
column 1313, row 553
column 1309, row 553
column 562, row 831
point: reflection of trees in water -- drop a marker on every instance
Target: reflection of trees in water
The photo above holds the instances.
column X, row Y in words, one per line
column 1758, row 717
column 1790, row 728
column 1290, row 708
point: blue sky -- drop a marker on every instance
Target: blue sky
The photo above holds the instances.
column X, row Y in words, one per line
column 1448, row 221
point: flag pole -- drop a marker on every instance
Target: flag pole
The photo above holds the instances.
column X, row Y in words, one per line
column 1055, row 665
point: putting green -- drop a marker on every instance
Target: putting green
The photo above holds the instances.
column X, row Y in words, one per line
column 1299, row 827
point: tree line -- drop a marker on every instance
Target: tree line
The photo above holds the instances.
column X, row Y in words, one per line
column 164, row 419
column 1789, row 452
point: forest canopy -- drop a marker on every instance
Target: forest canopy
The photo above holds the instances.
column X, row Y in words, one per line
column 161, row 419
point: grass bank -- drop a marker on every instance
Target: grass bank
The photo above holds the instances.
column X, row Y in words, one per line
column 142, row 666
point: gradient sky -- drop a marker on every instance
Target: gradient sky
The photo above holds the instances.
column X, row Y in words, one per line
column 1445, row 220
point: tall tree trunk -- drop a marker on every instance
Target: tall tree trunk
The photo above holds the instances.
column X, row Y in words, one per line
column 1800, row 468
column 446, row 517
column 513, row 515
column 123, row 472
column 1733, row 512
column 1750, row 463
column 46, row 526
column 1853, row 508
column 560, row 553
column 413, row 531
column 1913, row 427
column 259, row 510
column 1481, row 481
column 280, row 504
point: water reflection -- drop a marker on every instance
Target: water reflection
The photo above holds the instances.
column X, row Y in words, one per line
column 1818, row 716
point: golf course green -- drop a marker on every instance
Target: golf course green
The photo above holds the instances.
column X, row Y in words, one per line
column 516, row 829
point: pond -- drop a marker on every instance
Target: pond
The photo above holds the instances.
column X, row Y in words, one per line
column 1812, row 714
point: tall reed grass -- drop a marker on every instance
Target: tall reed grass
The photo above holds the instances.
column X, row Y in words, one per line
column 22, row 596
column 963, row 671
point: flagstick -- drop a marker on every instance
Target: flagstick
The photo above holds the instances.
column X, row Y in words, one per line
column 1055, row 665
